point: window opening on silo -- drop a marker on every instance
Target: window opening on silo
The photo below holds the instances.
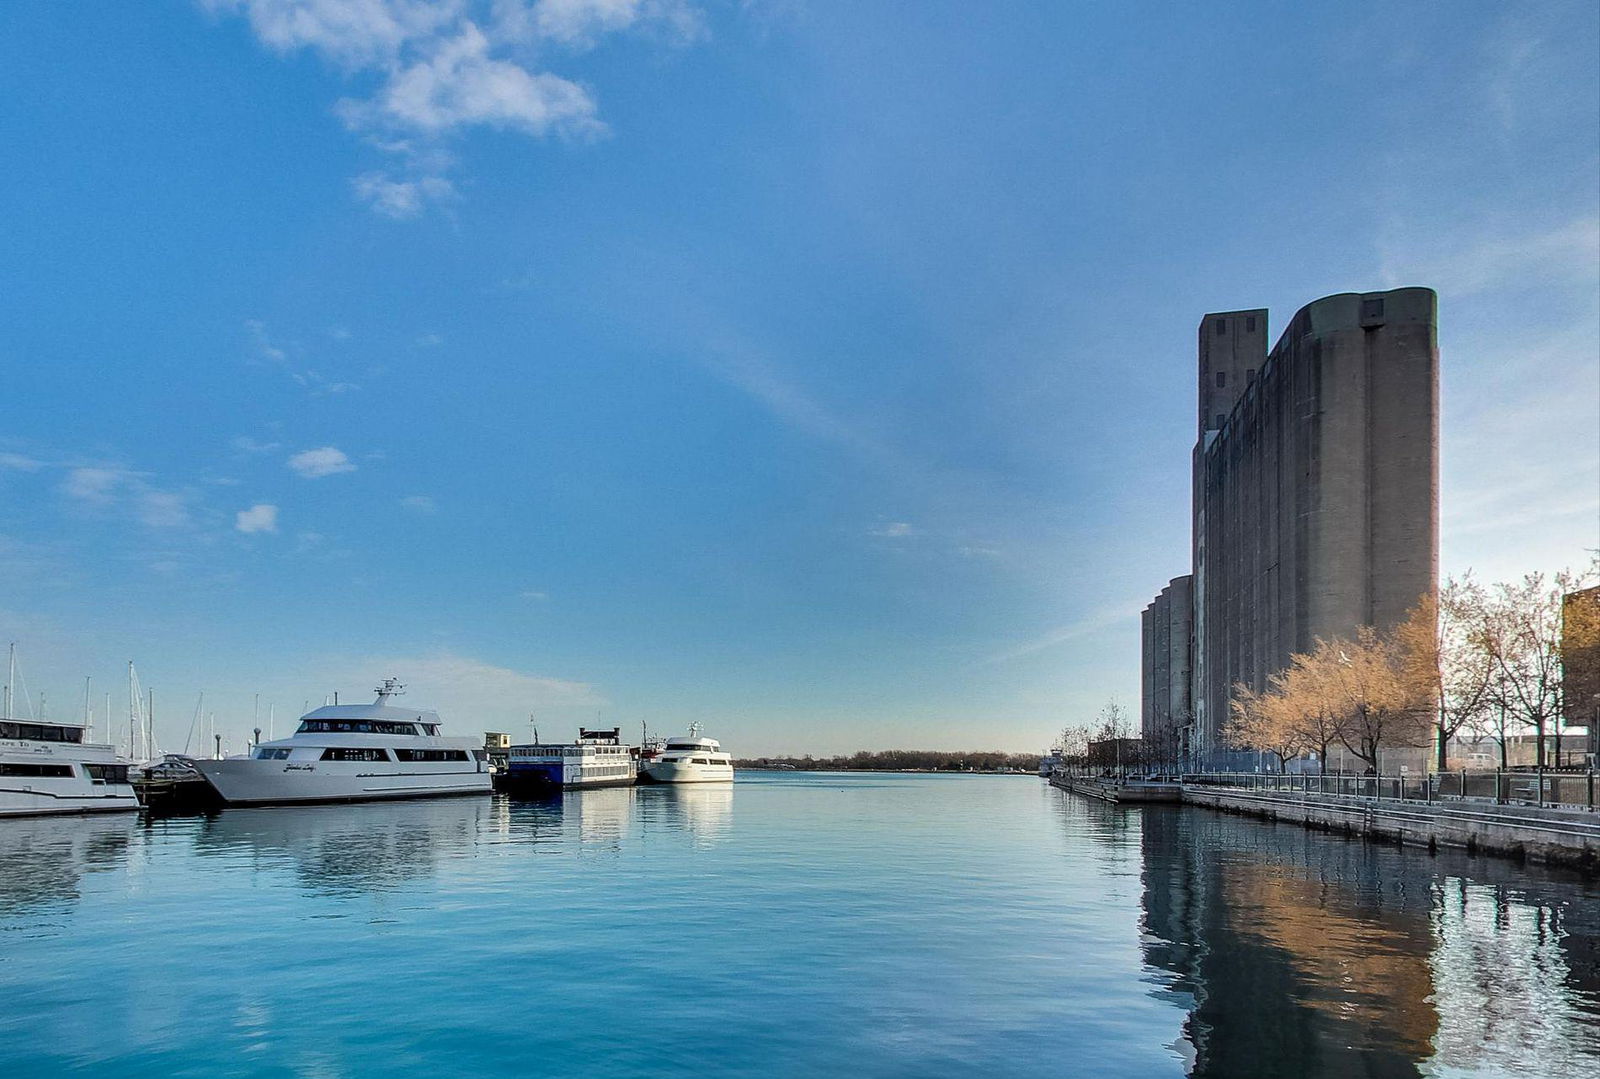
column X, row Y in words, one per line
column 1222, row 326
column 1250, row 324
column 1222, row 379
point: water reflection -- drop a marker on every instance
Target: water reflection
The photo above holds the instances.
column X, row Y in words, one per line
column 349, row 849
column 1300, row 953
column 43, row 859
column 703, row 810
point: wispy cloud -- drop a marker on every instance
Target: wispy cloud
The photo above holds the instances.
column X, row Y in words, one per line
column 265, row 350
column 419, row 504
column 1492, row 257
column 262, row 517
column 400, row 199
column 96, row 485
column 317, row 463
column 16, row 462
column 163, row 509
column 449, row 66
column 245, row 444
column 892, row 530
column 469, row 693
column 534, row 596
column 1094, row 622
column 127, row 491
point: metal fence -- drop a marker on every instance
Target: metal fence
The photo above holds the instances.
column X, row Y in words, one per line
column 1568, row 789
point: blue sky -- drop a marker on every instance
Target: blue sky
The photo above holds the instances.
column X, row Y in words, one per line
column 818, row 371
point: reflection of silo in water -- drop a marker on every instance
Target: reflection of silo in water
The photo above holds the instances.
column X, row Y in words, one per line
column 43, row 859
column 1293, row 954
column 348, row 849
column 704, row 810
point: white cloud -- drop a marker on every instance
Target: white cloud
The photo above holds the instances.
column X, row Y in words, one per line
column 95, row 484
column 419, row 504
column 430, row 340
column 163, row 509
column 458, row 84
column 262, row 517
column 246, row 444
column 326, row 461
column 537, row 597
column 128, row 492
column 400, row 199
column 893, row 530
column 16, row 462
column 444, row 66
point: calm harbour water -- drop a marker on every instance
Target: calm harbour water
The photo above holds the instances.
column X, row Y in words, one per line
column 789, row 925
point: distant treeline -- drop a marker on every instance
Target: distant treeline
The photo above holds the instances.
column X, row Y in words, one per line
column 888, row 760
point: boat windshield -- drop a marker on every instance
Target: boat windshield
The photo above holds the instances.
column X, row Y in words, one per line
column 354, row 726
column 41, row 732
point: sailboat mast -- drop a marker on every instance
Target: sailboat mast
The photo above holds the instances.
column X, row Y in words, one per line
column 133, row 715
column 11, row 676
column 88, row 726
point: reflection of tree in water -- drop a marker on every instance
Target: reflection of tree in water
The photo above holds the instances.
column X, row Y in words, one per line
column 349, row 849
column 43, row 859
column 1298, row 953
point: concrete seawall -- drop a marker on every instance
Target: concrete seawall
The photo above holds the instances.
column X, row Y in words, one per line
column 1540, row 834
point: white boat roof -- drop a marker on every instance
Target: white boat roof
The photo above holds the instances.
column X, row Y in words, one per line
column 373, row 711
column 694, row 740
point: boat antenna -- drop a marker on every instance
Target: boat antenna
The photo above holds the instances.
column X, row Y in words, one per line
column 391, row 687
column 11, row 676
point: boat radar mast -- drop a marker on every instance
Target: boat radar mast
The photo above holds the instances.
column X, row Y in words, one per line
column 391, row 687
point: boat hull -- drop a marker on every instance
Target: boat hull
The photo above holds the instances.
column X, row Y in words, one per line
column 241, row 781
column 676, row 772
column 537, row 777
column 16, row 802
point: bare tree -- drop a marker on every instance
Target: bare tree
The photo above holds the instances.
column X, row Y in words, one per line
column 1519, row 629
column 1445, row 659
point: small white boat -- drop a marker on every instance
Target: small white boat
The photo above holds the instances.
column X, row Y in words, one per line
column 596, row 759
column 691, row 759
column 49, row 768
column 354, row 753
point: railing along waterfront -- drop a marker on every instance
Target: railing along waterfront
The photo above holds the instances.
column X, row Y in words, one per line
column 1564, row 789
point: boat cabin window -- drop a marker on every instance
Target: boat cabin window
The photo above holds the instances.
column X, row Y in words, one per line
column 36, row 771
column 272, row 754
column 107, row 773
column 40, row 732
column 431, row 754
column 355, row 726
column 431, row 729
column 343, row 753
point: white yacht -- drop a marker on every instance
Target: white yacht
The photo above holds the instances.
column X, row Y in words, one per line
column 597, row 759
column 354, row 753
column 49, row 768
column 691, row 759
